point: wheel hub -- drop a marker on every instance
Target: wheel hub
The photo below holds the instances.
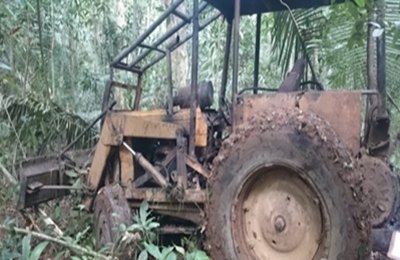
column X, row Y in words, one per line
column 280, row 216
column 279, row 224
column 285, row 226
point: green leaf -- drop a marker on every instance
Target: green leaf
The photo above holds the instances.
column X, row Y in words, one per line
column 148, row 220
column 136, row 218
column 9, row 255
column 143, row 211
column 152, row 250
column 71, row 173
column 78, row 184
column 180, row 250
column 197, row 255
column 168, row 254
column 134, row 228
column 143, row 255
column 26, row 247
column 80, row 235
column 153, row 225
column 171, row 256
column 38, row 250
column 61, row 255
column 360, row 3
column 122, row 227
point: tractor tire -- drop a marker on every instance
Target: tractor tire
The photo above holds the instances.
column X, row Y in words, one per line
column 110, row 210
column 283, row 188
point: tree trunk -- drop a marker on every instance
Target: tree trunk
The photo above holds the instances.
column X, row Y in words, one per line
column 180, row 59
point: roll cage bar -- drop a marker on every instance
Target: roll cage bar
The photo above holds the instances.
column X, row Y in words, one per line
column 135, row 66
column 131, row 60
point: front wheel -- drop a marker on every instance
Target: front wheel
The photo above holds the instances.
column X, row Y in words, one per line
column 110, row 210
column 284, row 189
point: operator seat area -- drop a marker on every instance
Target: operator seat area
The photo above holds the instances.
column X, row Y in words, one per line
column 205, row 96
column 293, row 83
column 292, row 80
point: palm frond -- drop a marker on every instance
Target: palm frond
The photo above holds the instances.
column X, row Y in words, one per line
column 42, row 126
column 335, row 39
column 392, row 17
column 287, row 35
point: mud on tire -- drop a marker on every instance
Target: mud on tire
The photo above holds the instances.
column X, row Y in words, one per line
column 267, row 176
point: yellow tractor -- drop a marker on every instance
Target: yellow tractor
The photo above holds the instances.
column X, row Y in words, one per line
column 293, row 173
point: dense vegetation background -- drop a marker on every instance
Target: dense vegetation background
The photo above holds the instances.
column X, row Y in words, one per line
column 55, row 55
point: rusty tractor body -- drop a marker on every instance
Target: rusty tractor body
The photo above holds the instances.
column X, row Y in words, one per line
column 296, row 173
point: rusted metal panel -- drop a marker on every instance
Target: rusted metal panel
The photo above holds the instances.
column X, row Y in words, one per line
column 200, row 138
column 100, row 160
column 161, row 195
column 188, row 211
column 127, row 166
column 172, row 229
column 118, row 125
column 152, row 124
column 149, row 124
column 342, row 109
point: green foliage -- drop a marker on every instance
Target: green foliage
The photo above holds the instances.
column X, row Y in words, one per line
column 77, row 241
column 36, row 127
column 144, row 223
column 196, row 255
column 335, row 42
column 32, row 254
column 166, row 253
column 335, row 38
column 10, row 244
column 360, row 3
column 146, row 226
column 170, row 253
column 16, row 246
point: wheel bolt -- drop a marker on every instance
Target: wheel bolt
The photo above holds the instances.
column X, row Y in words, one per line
column 280, row 224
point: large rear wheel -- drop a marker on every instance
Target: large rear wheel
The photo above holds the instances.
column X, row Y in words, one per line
column 284, row 189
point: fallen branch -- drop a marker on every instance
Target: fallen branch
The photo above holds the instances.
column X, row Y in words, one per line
column 8, row 175
column 29, row 218
column 75, row 248
column 49, row 222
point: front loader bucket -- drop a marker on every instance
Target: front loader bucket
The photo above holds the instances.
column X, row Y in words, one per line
column 43, row 178
column 35, row 173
